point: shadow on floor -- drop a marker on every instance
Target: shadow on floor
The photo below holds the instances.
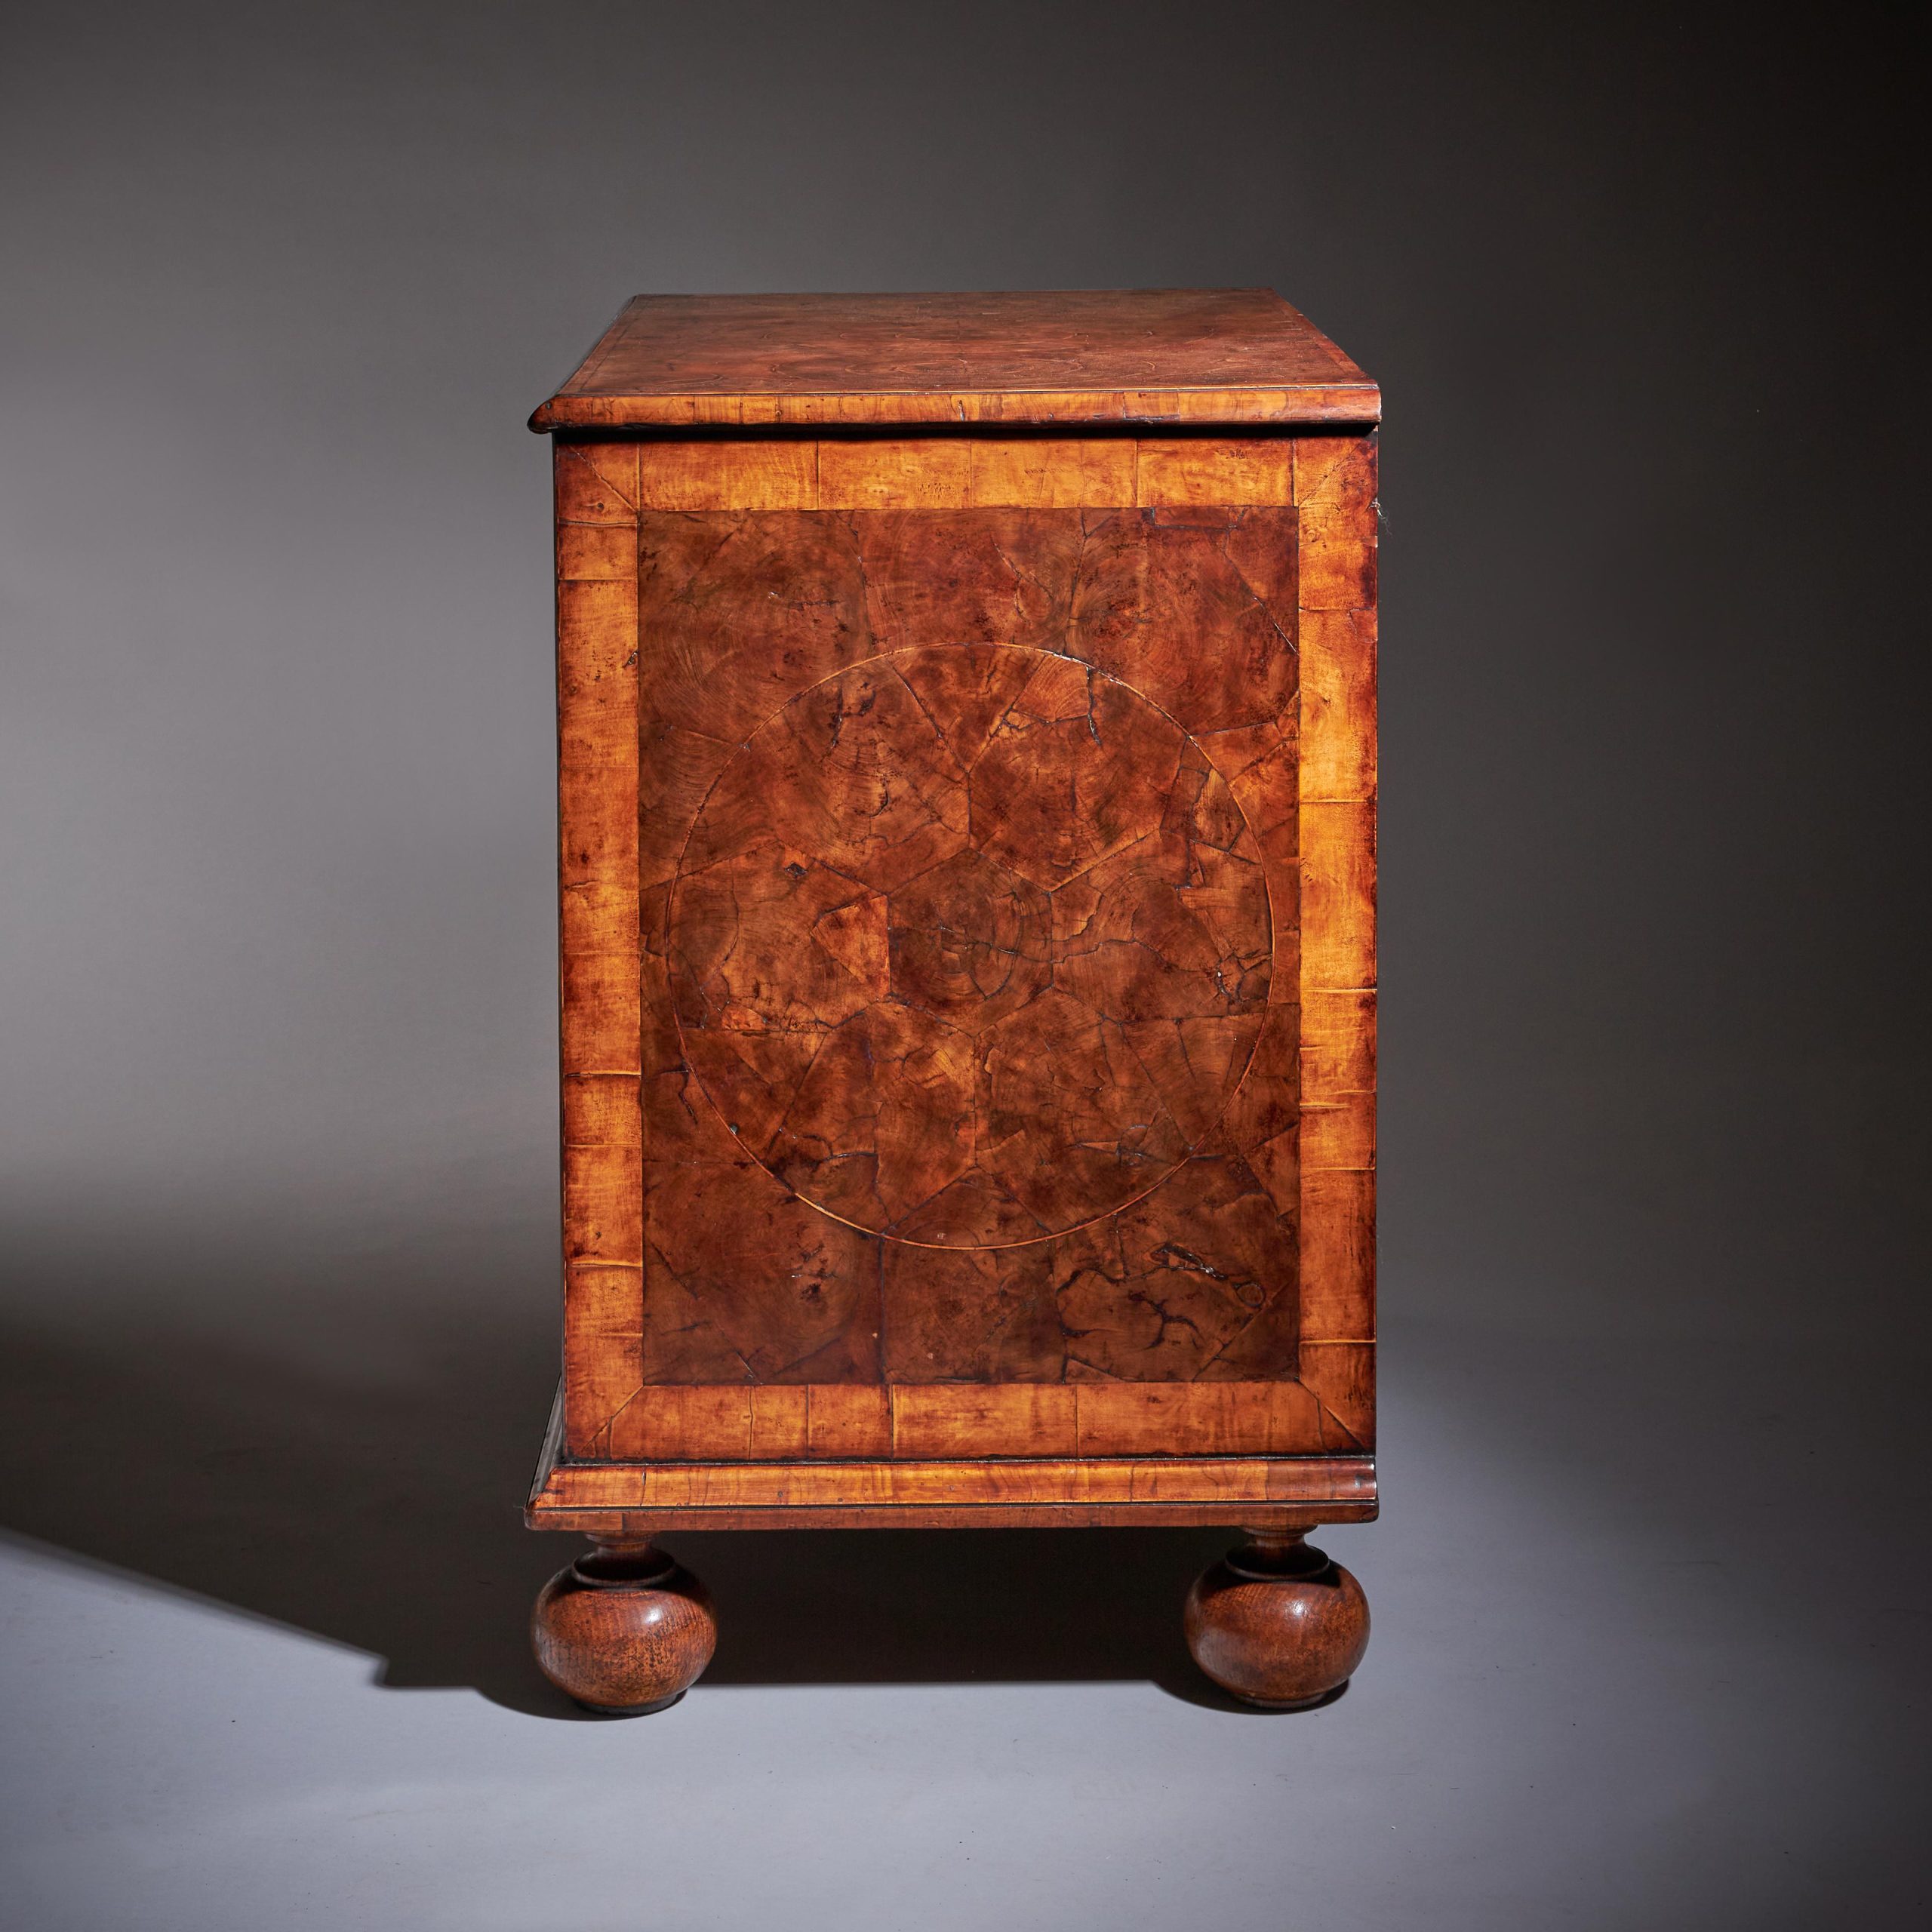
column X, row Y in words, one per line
column 345, row 1450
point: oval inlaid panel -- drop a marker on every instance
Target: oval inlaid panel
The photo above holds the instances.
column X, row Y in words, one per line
column 969, row 945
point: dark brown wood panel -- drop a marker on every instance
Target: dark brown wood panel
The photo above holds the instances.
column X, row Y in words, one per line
column 959, row 946
column 970, row 940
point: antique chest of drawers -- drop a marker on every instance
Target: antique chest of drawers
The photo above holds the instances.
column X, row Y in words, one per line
column 968, row 769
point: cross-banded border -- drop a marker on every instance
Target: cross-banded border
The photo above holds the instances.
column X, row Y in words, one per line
column 600, row 489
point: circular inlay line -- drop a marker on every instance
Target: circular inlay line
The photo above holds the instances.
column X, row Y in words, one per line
column 1057, row 1053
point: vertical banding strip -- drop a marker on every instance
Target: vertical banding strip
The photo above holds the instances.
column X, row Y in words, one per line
column 1334, row 492
column 596, row 492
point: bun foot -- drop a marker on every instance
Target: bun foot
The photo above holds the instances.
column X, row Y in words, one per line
column 1277, row 1623
column 624, row 1630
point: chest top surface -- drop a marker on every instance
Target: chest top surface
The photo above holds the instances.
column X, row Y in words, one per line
column 1098, row 356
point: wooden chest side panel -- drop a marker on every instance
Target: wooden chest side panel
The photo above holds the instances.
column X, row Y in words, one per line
column 967, row 944
column 783, row 1291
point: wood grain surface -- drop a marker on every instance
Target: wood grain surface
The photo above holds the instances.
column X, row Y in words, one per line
column 686, row 1421
column 1335, row 501
column 625, row 1630
column 968, row 860
column 1229, row 355
column 1276, row 1623
column 628, row 1499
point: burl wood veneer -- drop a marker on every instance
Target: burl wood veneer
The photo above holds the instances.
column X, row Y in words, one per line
column 967, row 866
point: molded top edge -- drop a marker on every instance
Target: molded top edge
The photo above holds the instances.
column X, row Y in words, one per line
column 1229, row 355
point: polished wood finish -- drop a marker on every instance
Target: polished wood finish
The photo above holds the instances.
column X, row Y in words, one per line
column 1009, row 1070
column 1217, row 355
column 968, row 868
column 1277, row 1623
column 625, row 1630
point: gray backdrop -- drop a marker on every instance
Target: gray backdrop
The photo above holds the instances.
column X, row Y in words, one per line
column 277, row 1100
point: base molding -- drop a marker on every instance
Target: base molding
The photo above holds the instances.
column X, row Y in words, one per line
column 633, row 1501
column 630, row 1525
column 630, row 1500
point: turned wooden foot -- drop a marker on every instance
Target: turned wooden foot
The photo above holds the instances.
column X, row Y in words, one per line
column 624, row 1630
column 1277, row 1623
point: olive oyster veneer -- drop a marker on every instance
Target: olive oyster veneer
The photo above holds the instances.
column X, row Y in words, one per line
column 966, row 739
